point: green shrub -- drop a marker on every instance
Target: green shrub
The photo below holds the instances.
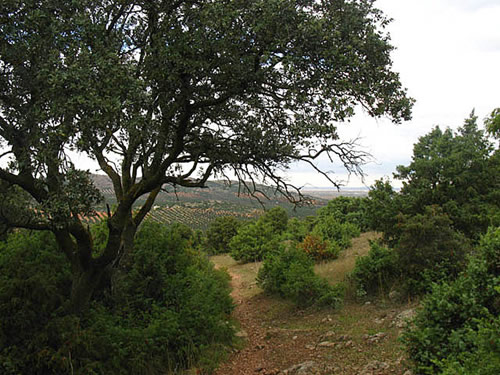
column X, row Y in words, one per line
column 168, row 308
column 454, row 318
column 375, row 272
column 429, row 250
column 332, row 230
column 347, row 209
column 219, row 234
column 289, row 273
column 483, row 358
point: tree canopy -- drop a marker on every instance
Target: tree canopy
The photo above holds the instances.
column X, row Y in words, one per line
column 458, row 171
column 173, row 92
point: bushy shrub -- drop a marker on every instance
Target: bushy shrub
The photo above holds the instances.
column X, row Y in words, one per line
column 259, row 238
column 347, row 209
column 457, row 317
column 332, row 230
column 375, row 272
column 289, row 273
column 297, row 229
column 219, row 234
column 319, row 249
column 483, row 358
column 168, row 308
column 429, row 250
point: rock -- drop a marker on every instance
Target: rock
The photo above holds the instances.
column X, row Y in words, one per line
column 373, row 366
column 326, row 344
column 408, row 372
column 379, row 320
column 349, row 344
column 310, row 347
column 375, row 338
column 305, row 368
column 328, row 335
column 241, row 334
column 404, row 317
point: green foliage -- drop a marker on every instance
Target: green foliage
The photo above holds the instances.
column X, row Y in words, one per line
column 429, row 250
column 483, row 358
column 330, row 229
column 259, row 238
column 493, row 123
column 457, row 321
column 168, row 309
column 219, row 234
column 347, row 209
column 382, row 209
column 375, row 272
column 276, row 218
column 457, row 171
column 297, row 229
column 289, row 273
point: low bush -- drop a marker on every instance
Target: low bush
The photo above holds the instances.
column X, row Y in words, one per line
column 289, row 273
column 429, row 250
column 319, row 249
column 375, row 272
column 347, row 209
column 259, row 238
column 219, row 234
column 332, row 230
column 457, row 323
column 168, row 309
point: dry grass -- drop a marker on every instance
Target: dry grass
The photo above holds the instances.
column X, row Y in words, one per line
column 335, row 271
column 246, row 273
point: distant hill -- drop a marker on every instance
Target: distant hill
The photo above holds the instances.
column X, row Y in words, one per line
column 197, row 207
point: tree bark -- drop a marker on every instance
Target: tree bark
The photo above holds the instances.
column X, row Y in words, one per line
column 84, row 284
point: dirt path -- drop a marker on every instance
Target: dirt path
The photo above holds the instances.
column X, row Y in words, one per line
column 281, row 339
column 268, row 350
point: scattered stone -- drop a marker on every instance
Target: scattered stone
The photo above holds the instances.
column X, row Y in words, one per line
column 373, row 339
column 310, row 347
column 326, row 344
column 373, row 366
column 368, row 303
column 259, row 346
column 295, row 337
column 349, row 344
column 404, row 317
column 379, row 320
column 273, row 371
column 408, row 372
column 327, row 335
column 241, row 334
column 305, row 368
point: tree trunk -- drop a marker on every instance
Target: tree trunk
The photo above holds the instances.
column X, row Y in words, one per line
column 84, row 284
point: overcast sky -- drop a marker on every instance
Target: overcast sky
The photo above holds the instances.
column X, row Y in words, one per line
column 448, row 57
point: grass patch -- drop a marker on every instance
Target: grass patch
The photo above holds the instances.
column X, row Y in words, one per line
column 335, row 271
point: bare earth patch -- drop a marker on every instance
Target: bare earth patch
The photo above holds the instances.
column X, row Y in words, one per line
column 281, row 339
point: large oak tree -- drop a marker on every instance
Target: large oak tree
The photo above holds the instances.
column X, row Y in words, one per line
column 173, row 92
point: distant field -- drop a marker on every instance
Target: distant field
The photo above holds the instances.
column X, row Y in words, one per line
column 196, row 218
